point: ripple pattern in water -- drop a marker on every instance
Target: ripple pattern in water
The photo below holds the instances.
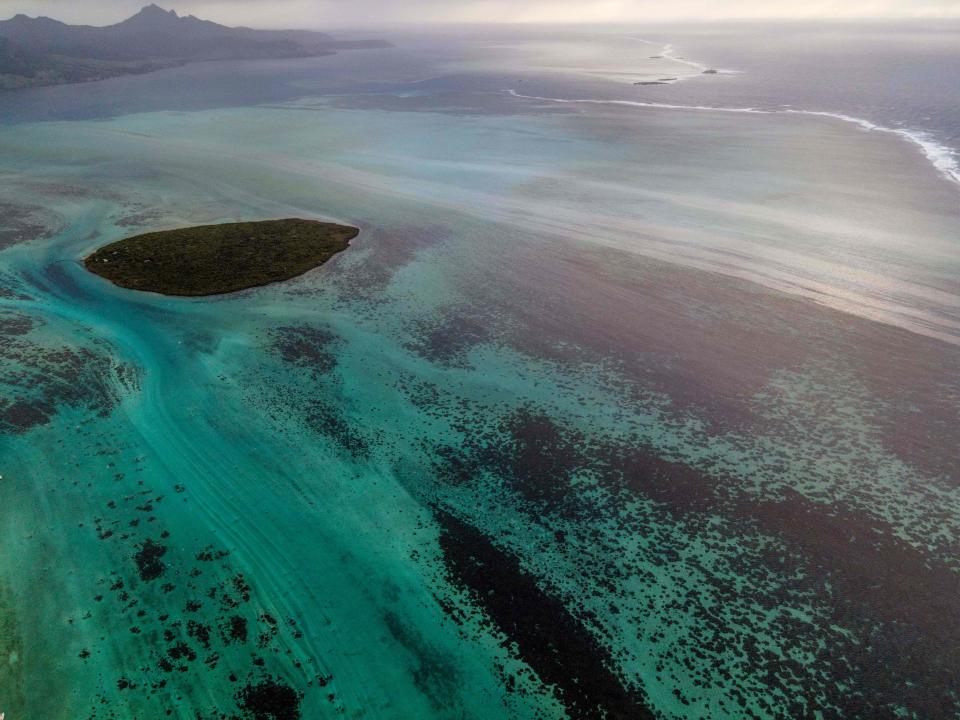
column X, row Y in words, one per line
column 486, row 463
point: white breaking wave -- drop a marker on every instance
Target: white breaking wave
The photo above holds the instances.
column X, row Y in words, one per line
column 669, row 52
column 943, row 158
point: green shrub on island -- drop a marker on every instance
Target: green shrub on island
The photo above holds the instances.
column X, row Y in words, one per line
column 217, row 259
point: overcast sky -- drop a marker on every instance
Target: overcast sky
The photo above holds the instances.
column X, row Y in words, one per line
column 330, row 13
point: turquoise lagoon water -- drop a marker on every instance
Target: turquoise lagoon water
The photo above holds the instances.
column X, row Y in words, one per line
column 608, row 411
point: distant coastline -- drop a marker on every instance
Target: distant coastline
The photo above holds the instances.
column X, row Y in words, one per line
column 41, row 51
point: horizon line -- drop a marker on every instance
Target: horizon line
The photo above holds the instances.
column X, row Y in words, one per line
column 566, row 23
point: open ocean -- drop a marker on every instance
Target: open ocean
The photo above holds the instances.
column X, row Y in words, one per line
column 629, row 401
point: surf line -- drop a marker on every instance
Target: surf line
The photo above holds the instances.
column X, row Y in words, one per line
column 943, row 158
column 669, row 52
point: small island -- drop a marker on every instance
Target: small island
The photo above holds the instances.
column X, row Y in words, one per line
column 217, row 259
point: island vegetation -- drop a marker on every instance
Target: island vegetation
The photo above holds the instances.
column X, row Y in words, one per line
column 217, row 259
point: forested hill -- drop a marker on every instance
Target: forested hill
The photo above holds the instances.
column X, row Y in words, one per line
column 42, row 51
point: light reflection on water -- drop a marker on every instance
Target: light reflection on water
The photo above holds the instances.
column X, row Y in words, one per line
column 704, row 475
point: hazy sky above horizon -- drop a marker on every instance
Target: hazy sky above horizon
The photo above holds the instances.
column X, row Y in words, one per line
column 327, row 13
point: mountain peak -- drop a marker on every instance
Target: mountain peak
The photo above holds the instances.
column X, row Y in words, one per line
column 157, row 11
column 22, row 19
column 41, row 51
column 153, row 15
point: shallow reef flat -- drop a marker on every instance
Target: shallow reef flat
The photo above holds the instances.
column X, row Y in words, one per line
column 539, row 447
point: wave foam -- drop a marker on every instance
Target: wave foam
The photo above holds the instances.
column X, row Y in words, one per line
column 669, row 52
column 945, row 159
